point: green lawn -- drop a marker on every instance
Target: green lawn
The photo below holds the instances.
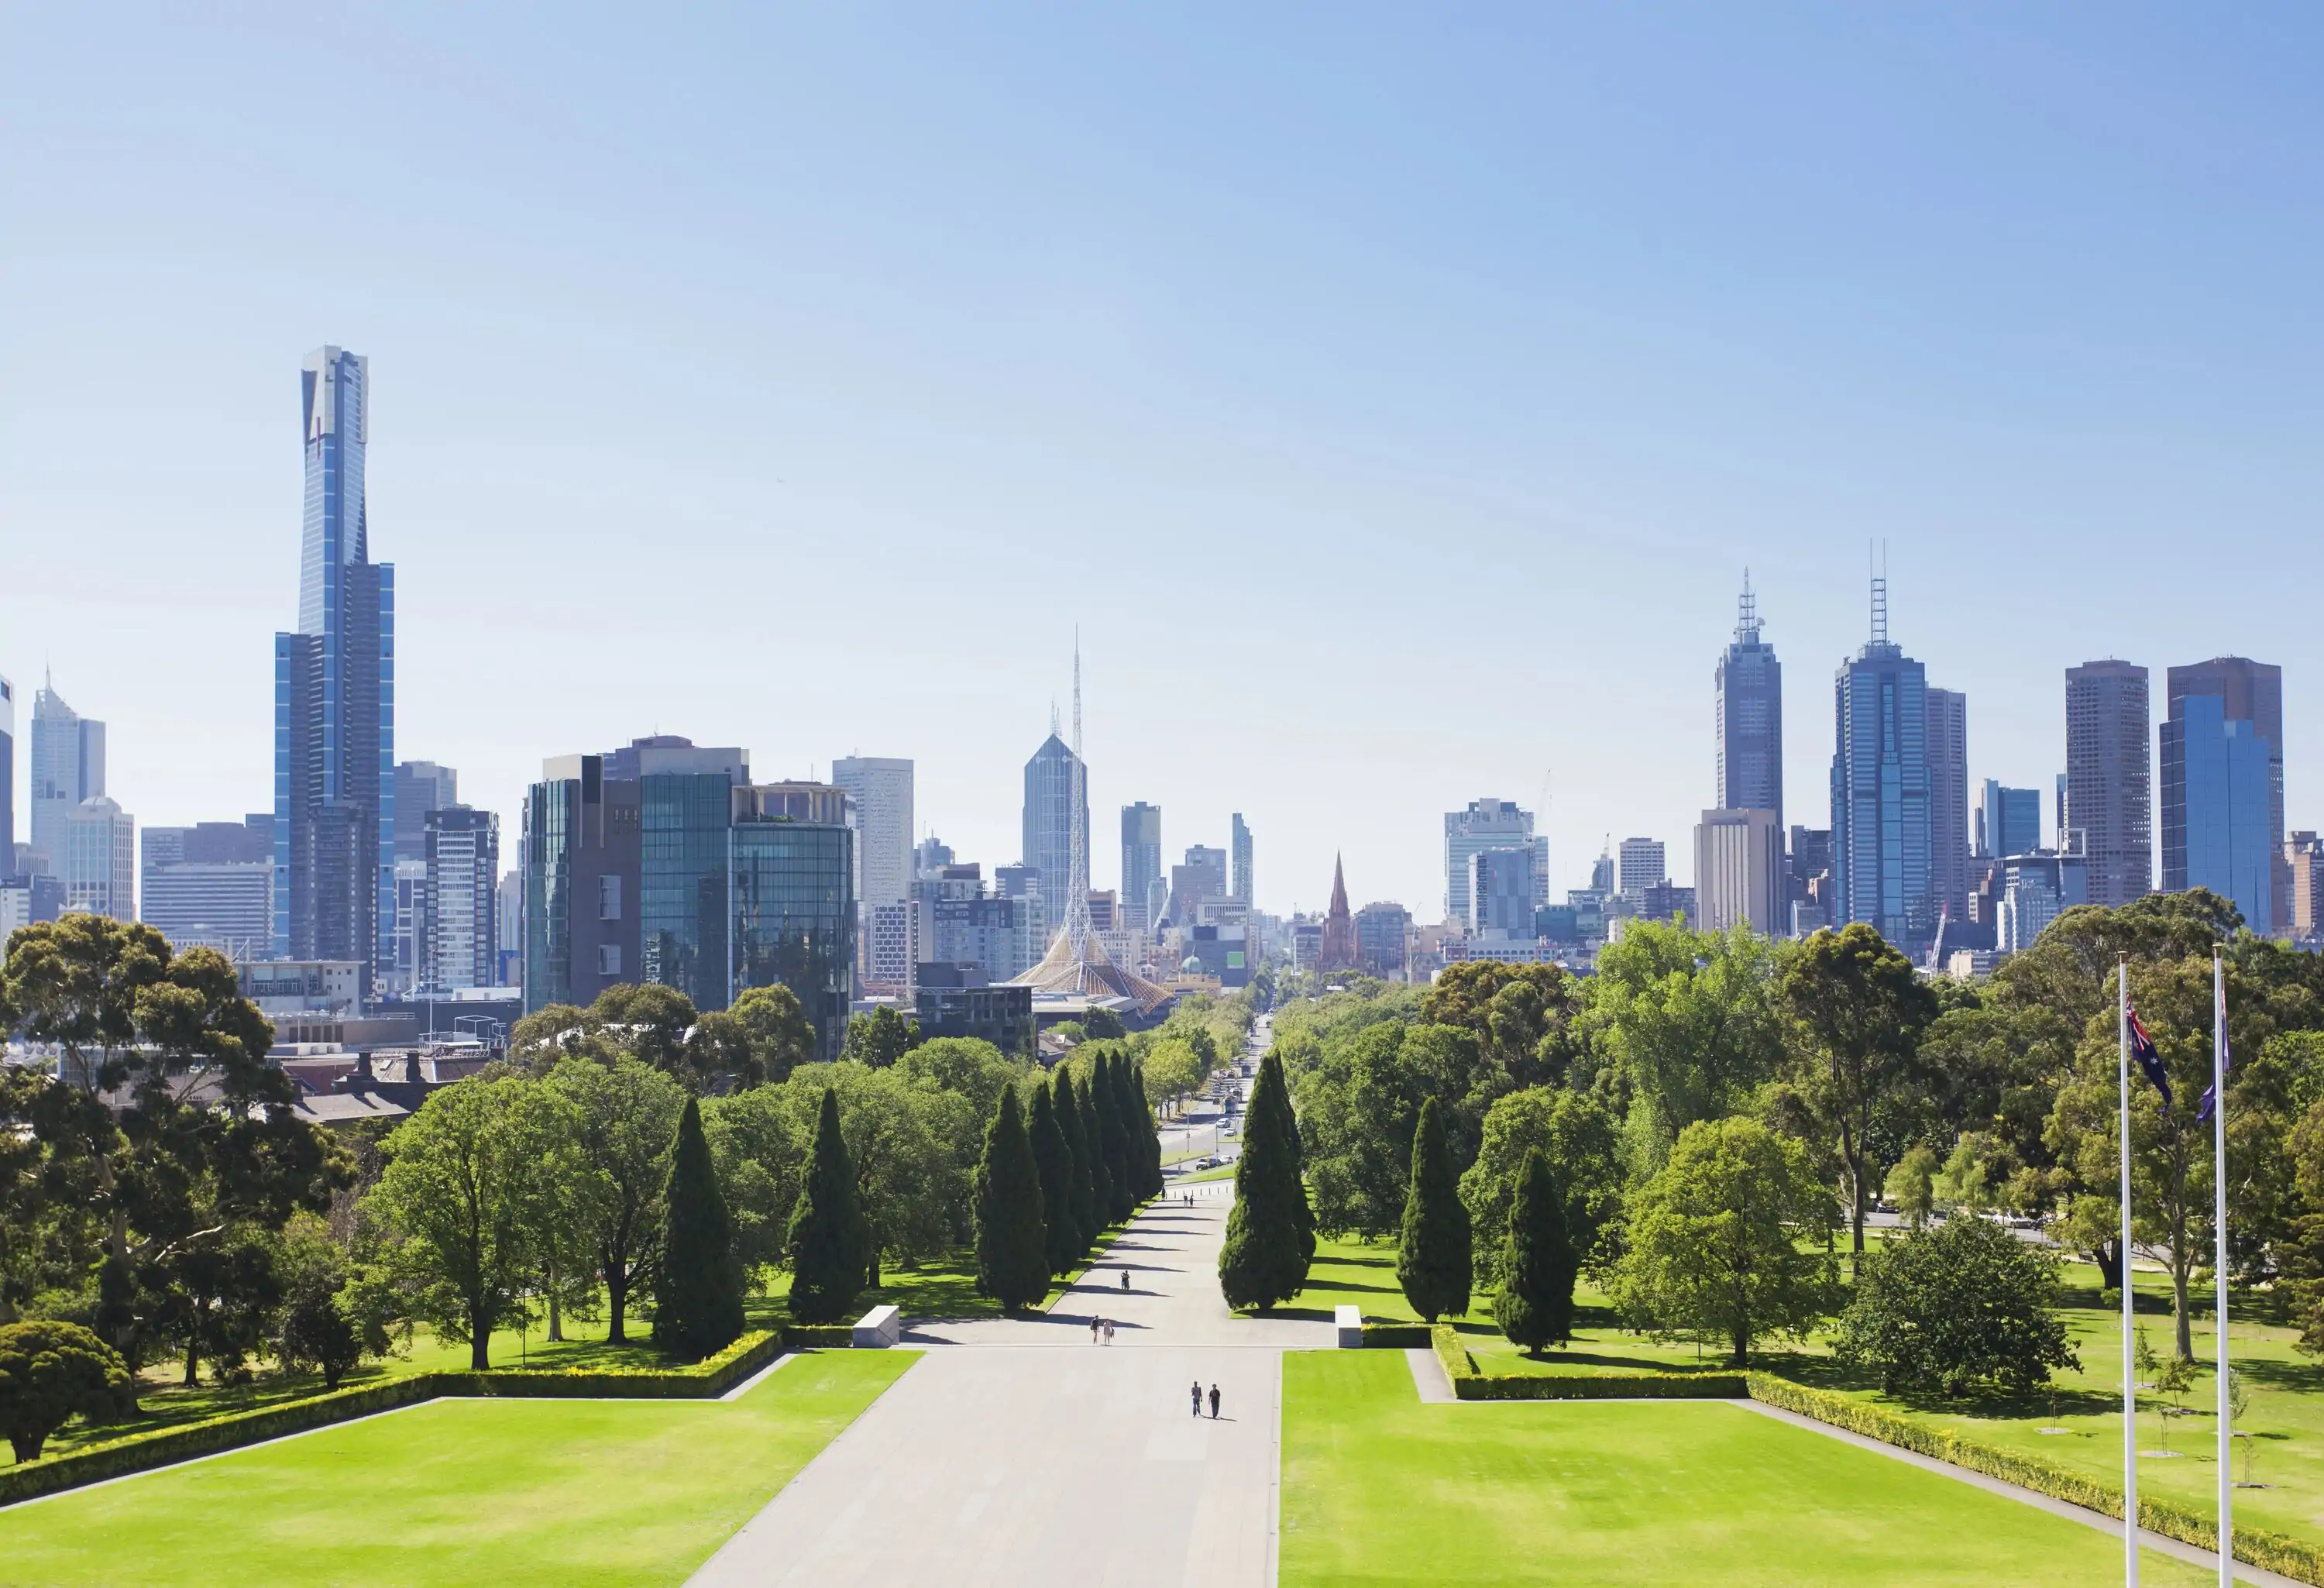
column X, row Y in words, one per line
column 1379, row 1489
column 460, row 1491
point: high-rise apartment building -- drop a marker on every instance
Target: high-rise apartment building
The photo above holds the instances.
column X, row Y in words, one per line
column 1880, row 815
column 420, row 786
column 1948, row 738
column 1049, row 823
column 1239, row 847
column 2008, row 821
column 8, row 780
column 211, row 885
column 1738, row 872
column 459, row 930
column 1487, row 824
column 1642, row 864
column 68, row 768
column 335, row 697
column 1501, row 892
column 2109, row 780
column 1751, row 718
column 879, row 789
column 1143, row 897
column 100, row 860
column 2223, row 787
column 2303, row 855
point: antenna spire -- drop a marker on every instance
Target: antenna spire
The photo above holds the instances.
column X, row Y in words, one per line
column 1747, row 614
column 1879, row 597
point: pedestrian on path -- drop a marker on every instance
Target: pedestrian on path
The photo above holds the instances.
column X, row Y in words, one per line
column 1214, row 1403
column 1125, row 1278
column 1198, row 1398
column 1109, row 1331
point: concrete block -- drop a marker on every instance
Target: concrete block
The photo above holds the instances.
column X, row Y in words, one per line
column 1348, row 1324
column 878, row 1329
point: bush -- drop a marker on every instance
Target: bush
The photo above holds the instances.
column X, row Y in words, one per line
column 49, row 1373
column 1952, row 1307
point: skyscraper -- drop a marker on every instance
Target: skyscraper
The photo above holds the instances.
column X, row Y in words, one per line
column 1488, row 823
column 1643, row 865
column 68, row 768
column 335, row 697
column 1500, row 892
column 8, row 780
column 1048, row 834
column 1141, row 863
column 1948, row 732
column 459, row 934
column 1751, row 718
column 100, row 860
column 881, row 788
column 2109, row 778
column 1738, row 872
column 211, row 885
column 2008, row 821
column 2223, row 787
column 420, row 786
column 1880, row 827
column 1239, row 843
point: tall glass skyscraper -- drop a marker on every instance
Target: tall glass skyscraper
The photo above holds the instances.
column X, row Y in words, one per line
column 1141, row 863
column 1751, row 718
column 335, row 697
column 2109, row 780
column 1049, row 824
column 2223, row 787
column 1880, row 828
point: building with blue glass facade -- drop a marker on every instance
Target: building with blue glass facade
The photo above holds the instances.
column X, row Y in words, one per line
column 335, row 697
column 1880, row 792
column 791, row 897
column 2223, row 788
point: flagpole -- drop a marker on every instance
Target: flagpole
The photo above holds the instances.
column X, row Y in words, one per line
column 2129, row 1369
column 2219, row 1259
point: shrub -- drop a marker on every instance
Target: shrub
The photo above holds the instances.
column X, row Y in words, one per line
column 1952, row 1307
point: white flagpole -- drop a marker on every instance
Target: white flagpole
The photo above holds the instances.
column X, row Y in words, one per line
column 2219, row 1259
column 2129, row 1369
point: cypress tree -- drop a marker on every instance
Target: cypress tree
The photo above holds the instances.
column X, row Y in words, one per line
column 1113, row 1138
column 827, row 1240
column 1534, row 1304
column 1294, row 1173
column 1055, row 1159
column 1081, row 1192
column 1432, row 1261
column 1101, row 1182
column 1149, row 1137
column 1012, row 1259
column 1264, row 1261
column 699, row 1305
column 1130, row 1105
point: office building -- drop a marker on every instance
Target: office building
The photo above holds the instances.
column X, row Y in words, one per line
column 460, row 902
column 100, row 856
column 1501, row 892
column 508, row 928
column 1948, row 749
column 1487, row 824
column 2303, row 858
column 1050, row 781
column 791, row 897
column 930, row 855
column 1642, row 866
column 420, row 786
column 210, row 885
column 1238, row 844
column 68, row 767
column 8, row 782
column 960, row 1001
column 880, row 800
column 2036, row 888
column 893, row 931
column 962, row 923
column 1666, row 901
column 1142, row 889
column 334, row 696
column 2008, row 821
column 1880, row 818
column 2223, row 787
column 1197, row 883
column 1383, row 941
column 1738, row 872
column 1808, row 873
column 1750, row 706
column 2109, row 778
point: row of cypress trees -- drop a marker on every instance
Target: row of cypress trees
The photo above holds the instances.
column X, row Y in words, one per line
column 1271, row 1230
column 1534, row 1304
column 1054, row 1175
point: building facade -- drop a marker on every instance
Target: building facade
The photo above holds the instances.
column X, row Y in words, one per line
column 2223, row 787
column 1750, row 718
column 7, row 780
column 459, row 932
column 879, row 801
column 1143, row 897
column 100, row 860
column 1643, row 864
column 2303, row 857
column 210, row 885
column 1049, row 823
column 1738, row 872
column 2109, row 778
column 1239, row 881
column 68, row 767
column 1384, row 941
column 1487, row 824
column 1948, row 738
column 1880, row 805
column 420, row 786
column 791, row 895
column 334, row 696
column 1501, row 892
column 2008, row 821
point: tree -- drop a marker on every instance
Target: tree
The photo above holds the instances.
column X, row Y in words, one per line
column 1082, row 1203
column 457, row 1195
column 1012, row 1264
column 1950, row 1308
column 1576, row 1137
column 777, row 1029
column 1103, row 1023
column 1264, row 1260
column 880, row 1038
column 1538, row 1264
column 1690, row 1019
column 1433, row 1259
column 318, row 1329
column 698, row 1302
column 1055, row 1159
column 828, row 1238
column 1521, row 1015
column 1141, row 1147
column 49, row 1373
column 651, row 1020
column 1112, row 1137
column 1857, row 1011
column 1359, row 1102
column 969, row 1067
column 629, row 1115
column 554, row 1031
column 1712, row 1247
column 1912, row 1186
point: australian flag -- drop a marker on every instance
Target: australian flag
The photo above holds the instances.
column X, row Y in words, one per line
column 2219, row 1040
column 2150, row 1063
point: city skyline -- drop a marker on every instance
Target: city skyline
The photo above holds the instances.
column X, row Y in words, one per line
column 1624, row 442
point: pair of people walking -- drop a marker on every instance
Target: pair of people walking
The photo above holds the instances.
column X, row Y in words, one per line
column 1198, row 1401
column 1101, row 1330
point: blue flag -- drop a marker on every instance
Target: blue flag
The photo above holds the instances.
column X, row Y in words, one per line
column 2219, row 1040
column 2150, row 1063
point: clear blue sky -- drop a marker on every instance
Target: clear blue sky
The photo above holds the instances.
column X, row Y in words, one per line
column 1394, row 398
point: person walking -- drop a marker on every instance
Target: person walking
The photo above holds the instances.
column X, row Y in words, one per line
column 1214, row 1403
column 1094, row 1322
column 1198, row 1398
column 1125, row 1278
column 1109, row 1331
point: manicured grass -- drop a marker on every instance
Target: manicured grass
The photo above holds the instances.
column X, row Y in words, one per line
column 1379, row 1489
column 456, row 1491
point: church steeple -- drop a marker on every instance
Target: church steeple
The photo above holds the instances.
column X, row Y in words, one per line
column 1337, row 951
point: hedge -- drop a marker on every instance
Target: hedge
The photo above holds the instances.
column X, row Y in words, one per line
column 1396, row 1336
column 1469, row 1384
column 2254, row 1546
column 132, row 1453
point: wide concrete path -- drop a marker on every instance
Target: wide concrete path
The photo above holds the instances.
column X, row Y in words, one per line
column 1019, row 1453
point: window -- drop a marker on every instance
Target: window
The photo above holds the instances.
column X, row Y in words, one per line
column 609, row 898
column 609, row 959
